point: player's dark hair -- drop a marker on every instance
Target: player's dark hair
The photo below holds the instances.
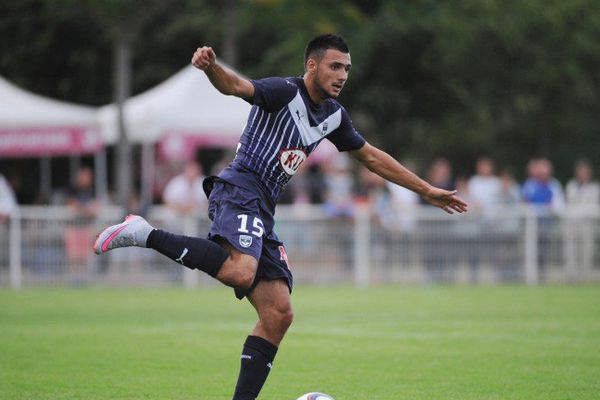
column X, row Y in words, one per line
column 317, row 46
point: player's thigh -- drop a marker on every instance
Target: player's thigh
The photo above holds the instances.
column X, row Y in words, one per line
column 237, row 262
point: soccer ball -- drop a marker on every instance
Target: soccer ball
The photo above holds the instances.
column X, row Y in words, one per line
column 315, row 396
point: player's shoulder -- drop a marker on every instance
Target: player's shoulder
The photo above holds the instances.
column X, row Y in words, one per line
column 277, row 82
column 294, row 81
column 335, row 106
column 273, row 93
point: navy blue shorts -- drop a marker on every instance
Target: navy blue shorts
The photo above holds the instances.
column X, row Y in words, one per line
column 244, row 220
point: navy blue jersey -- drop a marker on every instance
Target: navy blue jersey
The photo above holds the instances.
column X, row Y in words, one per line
column 283, row 128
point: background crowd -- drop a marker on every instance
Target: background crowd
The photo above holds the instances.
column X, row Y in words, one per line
column 336, row 184
column 338, row 189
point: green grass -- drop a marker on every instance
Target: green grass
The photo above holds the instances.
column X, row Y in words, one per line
column 377, row 344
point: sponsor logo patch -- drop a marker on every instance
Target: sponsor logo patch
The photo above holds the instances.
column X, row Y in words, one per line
column 245, row 241
column 283, row 256
column 291, row 159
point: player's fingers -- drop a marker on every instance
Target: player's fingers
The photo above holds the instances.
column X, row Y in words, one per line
column 458, row 208
column 199, row 51
column 447, row 209
column 196, row 63
column 210, row 53
column 457, row 198
column 200, row 60
column 461, row 204
column 198, row 55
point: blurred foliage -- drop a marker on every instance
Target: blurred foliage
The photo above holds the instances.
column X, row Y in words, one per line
column 459, row 79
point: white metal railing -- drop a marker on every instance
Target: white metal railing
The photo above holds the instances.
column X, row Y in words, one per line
column 46, row 246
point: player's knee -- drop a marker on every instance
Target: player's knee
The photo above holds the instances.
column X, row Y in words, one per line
column 245, row 278
column 287, row 317
column 280, row 318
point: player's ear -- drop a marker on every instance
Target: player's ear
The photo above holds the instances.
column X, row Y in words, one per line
column 311, row 66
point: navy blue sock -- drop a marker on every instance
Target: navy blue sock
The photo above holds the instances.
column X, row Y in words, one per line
column 257, row 359
column 191, row 252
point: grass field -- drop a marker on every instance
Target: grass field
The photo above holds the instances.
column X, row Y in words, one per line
column 378, row 344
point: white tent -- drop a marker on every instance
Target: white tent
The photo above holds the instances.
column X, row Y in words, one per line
column 36, row 126
column 185, row 105
column 33, row 125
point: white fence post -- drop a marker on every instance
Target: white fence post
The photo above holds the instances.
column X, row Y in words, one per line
column 16, row 275
column 531, row 247
column 362, row 246
column 190, row 276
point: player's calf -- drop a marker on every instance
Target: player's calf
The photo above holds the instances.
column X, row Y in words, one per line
column 191, row 252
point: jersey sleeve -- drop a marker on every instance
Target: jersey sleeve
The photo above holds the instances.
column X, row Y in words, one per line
column 272, row 94
column 346, row 138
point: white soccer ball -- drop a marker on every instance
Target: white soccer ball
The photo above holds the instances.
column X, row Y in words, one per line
column 315, row 396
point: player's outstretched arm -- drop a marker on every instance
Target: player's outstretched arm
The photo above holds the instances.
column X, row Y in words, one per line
column 224, row 79
column 387, row 167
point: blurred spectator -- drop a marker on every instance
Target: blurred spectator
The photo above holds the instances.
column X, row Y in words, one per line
column 184, row 197
column 137, row 206
column 475, row 231
column 463, row 187
column 484, row 193
column 339, row 205
column 184, row 194
column 439, row 256
column 401, row 222
column 541, row 188
column 79, row 233
column 223, row 162
column 545, row 193
column 315, row 184
column 507, row 229
column 583, row 197
column 8, row 200
column 338, row 198
column 403, row 202
column 371, row 190
column 582, row 190
column 307, row 187
column 510, row 191
column 484, row 187
column 440, row 175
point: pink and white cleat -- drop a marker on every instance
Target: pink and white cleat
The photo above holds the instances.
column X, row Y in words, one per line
column 134, row 231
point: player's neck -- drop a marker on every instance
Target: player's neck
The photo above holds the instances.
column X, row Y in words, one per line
column 313, row 91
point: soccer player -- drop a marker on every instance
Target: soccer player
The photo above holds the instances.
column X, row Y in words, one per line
column 289, row 118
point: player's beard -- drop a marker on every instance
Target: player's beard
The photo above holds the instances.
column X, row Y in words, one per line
column 323, row 93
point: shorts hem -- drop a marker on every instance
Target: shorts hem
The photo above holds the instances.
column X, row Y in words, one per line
column 241, row 293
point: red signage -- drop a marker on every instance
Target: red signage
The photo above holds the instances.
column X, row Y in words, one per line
column 54, row 141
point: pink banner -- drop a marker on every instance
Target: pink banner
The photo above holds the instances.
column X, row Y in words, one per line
column 55, row 141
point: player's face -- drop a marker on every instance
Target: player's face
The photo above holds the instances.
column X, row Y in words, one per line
column 332, row 73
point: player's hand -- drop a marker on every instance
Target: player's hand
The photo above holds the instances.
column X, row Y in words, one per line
column 204, row 58
column 446, row 200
